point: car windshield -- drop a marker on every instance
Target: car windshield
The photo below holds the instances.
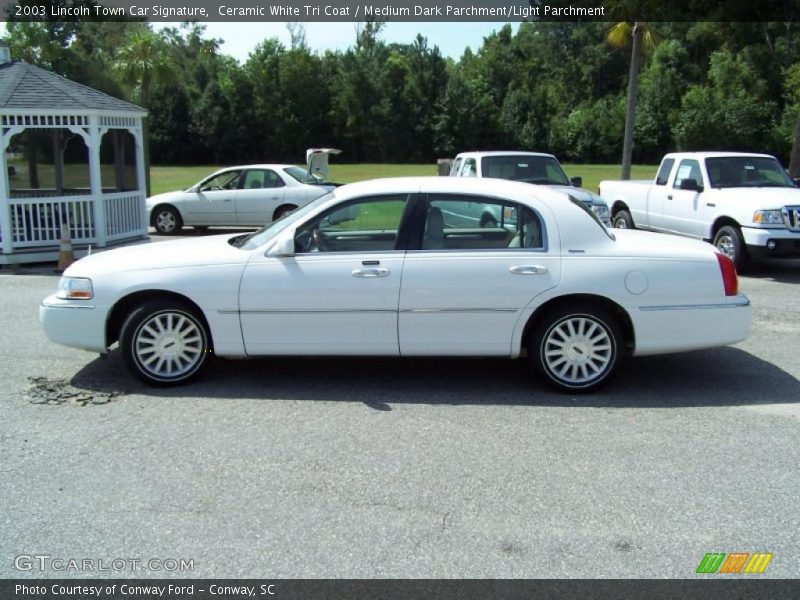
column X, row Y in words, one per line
column 746, row 171
column 303, row 176
column 529, row 169
column 266, row 233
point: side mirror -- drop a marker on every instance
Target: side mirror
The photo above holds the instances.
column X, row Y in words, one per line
column 576, row 181
column 797, row 181
column 691, row 185
column 283, row 246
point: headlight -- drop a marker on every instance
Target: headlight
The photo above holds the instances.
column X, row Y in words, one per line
column 75, row 288
column 768, row 217
column 601, row 210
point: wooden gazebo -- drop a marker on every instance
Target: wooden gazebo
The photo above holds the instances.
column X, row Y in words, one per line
column 97, row 215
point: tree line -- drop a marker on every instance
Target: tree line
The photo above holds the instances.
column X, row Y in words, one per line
column 557, row 87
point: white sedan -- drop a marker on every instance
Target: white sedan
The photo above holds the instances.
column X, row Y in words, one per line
column 250, row 195
column 375, row 268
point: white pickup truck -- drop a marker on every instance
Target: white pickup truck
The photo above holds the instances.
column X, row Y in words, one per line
column 745, row 204
column 536, row 168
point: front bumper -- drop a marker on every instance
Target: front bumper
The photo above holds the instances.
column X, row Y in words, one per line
column 70, row 323
column 765, row 243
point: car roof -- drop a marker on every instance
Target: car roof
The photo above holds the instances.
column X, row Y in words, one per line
column 259, row 166
column 483, row 153
column 715, row 154
column 504, row 188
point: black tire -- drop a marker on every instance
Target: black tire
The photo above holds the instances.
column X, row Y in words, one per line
column 623, row 220
column 148, row 348
column 730, row 242
column 488, row 221
column 282, row 211
column 167, row 220
column 585, row 340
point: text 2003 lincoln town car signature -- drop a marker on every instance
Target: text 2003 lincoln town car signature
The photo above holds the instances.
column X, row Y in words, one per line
column 375, row 268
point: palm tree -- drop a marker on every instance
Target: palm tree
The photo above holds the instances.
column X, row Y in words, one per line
column 143, row 59
column 642, row 38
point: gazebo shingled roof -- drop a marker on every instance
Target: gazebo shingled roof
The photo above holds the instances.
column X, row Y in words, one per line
column 27, row 86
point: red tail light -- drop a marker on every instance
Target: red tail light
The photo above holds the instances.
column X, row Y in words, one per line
column 729, row 278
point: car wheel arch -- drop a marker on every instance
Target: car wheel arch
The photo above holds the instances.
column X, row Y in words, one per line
column 283, row 208
column 719, row 223
column 617, row 206
column 126, row 304
column 557, row 303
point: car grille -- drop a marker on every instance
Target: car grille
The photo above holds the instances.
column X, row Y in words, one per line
column 791, row 217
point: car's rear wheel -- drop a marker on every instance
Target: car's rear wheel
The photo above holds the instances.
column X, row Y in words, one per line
column 282, row 211
column 488, row 221
column 623, row 220
column 576, row 349
column 167, row 220
column 164, row 342
column 730, row 242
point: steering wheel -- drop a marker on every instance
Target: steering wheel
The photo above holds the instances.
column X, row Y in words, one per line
column 320, row 241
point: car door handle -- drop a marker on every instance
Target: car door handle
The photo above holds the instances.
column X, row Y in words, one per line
column 528, row 270
column 370, row 273
column 226, row 199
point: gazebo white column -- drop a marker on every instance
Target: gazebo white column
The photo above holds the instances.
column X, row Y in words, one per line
column 5, row 205
column 96, row 181
column 141, row 176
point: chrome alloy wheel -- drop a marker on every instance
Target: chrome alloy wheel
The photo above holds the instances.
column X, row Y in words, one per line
column 169, row 345
column 620, row 223
column 165, row 221
column 726, row 245
column 578, row 350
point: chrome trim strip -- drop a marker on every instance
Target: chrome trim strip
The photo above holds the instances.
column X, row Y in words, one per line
column 84, row 306
column 458, row 310
column 366, row 310
column 306, row 311
column 695, row 306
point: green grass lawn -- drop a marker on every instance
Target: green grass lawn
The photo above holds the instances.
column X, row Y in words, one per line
column 170, row 178
column 165, row 179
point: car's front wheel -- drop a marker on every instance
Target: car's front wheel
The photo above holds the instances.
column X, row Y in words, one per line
column 623, row 220
column 167, row 220
column 164, row 342
column 730, row 242
column 576, row 349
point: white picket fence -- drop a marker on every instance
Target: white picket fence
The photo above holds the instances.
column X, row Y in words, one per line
column 36, row 222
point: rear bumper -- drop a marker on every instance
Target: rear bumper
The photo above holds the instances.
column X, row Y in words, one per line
column 665, row 329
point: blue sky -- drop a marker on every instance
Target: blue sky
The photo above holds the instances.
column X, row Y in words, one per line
column 452, row 38
column 239, row 39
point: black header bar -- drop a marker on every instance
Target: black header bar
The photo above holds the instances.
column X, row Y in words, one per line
column 403, row 10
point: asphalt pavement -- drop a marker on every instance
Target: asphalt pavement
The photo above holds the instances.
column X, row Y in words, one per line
column 350, row 468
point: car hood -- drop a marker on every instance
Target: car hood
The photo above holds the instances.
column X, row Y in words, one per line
column 634, row 242
column 760, row 197
column 581, row 194
column 204, row 251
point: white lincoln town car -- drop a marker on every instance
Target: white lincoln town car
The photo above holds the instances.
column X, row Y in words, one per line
column 377, row 268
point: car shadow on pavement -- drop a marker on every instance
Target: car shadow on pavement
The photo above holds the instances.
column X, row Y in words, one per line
column 781, row 271
column 720, row 377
